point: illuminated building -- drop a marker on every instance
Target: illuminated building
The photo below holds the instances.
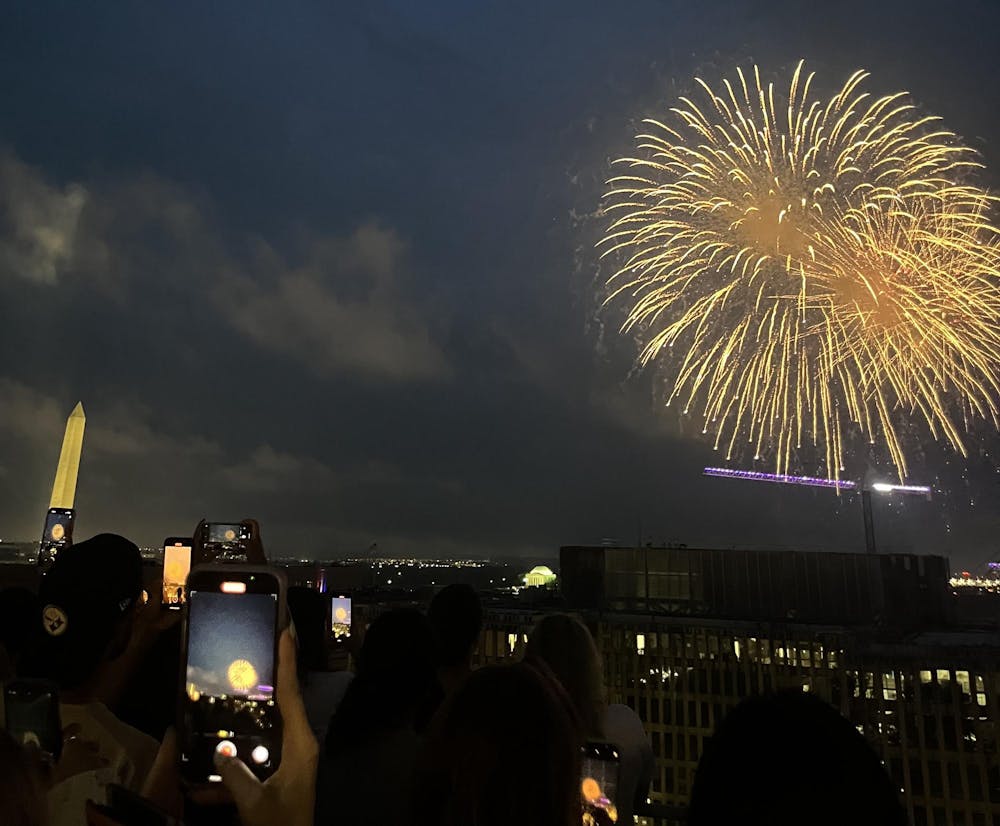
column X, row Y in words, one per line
column 64, row 486
column 539, row 577
column 686, row 634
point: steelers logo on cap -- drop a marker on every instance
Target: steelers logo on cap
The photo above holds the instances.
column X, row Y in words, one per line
column 55, row 620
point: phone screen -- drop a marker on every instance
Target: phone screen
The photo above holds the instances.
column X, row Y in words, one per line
column 340, row 612
column 31, row 709
column 229, row 700
column 599, row 784
column 57, row 533
column 176, row 564
column 226, row 541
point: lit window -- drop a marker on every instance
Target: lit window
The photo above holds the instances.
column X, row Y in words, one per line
column 640, row 643
column 736, row 648
column 981, row 699
column 511, row 642
column 925, row 676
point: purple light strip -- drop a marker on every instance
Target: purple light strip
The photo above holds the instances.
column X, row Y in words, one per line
column 760, row 476
column 884, row 487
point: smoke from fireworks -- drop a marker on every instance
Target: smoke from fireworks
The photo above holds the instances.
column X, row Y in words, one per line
column 811, row 269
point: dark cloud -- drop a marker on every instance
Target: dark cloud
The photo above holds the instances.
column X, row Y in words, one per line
column 38, row 222
column 298, row 312
column 333, row 267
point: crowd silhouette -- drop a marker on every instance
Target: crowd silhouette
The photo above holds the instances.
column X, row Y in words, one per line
column 413, row 734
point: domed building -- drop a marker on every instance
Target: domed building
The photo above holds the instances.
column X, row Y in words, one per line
column 539, row 576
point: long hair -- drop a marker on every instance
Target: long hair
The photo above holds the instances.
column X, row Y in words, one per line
column 395, row 676
column 567, row 648
column 504, row 750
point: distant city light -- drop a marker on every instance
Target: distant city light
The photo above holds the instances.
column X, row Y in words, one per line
column 885, row 487
column 785, row 479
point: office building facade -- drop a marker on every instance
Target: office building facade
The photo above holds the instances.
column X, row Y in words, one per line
column 874, row 636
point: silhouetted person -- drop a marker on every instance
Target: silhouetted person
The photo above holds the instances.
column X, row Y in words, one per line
column 456, row 616
column 322, row 690
column 149, row 701
column 503, row 750
column 566, row 647
column 789, row 759
column 366, row 768
column 88, row 602
column 18, row 617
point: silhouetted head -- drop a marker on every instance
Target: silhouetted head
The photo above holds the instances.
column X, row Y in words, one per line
column 309, row 609
column 22, row 792
column 394, row 677
column 788, row 759
column 504, row 750
column 87, row 602
column 456, row 615
column 567, row 648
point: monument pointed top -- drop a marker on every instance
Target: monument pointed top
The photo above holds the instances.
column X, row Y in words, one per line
column 64, row 487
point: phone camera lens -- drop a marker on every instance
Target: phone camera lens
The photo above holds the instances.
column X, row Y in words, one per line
column 226, row 748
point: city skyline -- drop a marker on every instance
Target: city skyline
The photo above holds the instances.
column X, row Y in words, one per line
column 347, row 284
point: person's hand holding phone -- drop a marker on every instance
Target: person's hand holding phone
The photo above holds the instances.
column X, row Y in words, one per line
column 148, row 622
column 253, row 545
column 78, row 756
column 287, row 797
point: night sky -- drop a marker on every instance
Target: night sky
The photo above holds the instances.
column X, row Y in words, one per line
column 225, row 628
column 331, row 265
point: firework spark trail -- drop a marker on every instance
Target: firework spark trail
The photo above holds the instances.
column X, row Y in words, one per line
column 816, row 270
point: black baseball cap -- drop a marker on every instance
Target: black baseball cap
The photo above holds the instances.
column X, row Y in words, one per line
column 90, row 587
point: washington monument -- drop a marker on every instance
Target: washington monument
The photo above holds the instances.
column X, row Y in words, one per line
column 64, row 486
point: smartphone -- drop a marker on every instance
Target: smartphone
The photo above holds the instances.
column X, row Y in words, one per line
column 176, row 564
column 340, row 615
column 225, row 541
column 56, row 534
column 227, row 700
column 599, row 782
column 31, row 709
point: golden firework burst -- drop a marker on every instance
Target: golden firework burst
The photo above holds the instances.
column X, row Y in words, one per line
column 810, row 268
column 241, row 675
